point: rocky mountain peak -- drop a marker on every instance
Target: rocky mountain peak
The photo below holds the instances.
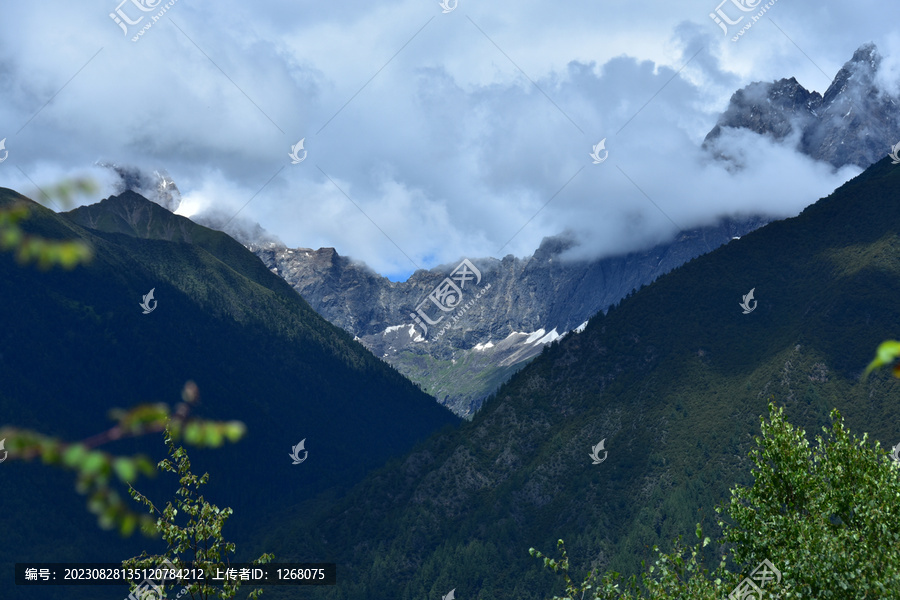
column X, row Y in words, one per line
column 132, row 214
column 856, row 77
column 157, row 186
column 867, row 53
column 553, row 246
column 852, row 123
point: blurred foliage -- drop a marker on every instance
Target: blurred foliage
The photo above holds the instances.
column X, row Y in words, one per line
column 886, row 353
column 69, row 340
column 198, row 544
column 97, row 472
column 34, row 249
column 95, row 468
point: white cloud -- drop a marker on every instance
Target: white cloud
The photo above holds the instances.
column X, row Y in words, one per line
column 450, row 149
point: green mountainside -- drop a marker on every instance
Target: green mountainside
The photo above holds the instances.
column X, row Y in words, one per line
column 674, row 379
column 74, row 344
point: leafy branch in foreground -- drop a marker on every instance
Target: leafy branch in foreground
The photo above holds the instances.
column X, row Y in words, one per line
column 672, row 575
column 886, row 353
column 46, row 253
column 828, row 514
column 826, row 517
column 95, row 468
column 201, row 536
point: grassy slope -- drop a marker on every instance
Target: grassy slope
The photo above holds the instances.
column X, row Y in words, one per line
column 465, row 377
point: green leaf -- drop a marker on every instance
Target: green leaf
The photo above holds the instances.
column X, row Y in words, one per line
column 214, row 435
column 74, row 455
column 94, row 463
column 235, row 430
column 128, row 524
column 886, row 353
column 126, row 469
column 193, row 433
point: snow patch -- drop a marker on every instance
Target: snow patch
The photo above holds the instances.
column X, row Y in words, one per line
column 483, row 347
column 550, row 337
column 393, row 328
column 536, row 336
column 580, row 328
column 416, row 337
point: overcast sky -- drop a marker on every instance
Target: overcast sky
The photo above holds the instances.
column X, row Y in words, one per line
column 428, row 135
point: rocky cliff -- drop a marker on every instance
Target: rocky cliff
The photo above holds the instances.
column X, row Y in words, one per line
column 515, row 308
column 853, row 123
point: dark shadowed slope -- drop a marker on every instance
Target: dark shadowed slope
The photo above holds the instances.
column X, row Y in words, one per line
column 75, row 344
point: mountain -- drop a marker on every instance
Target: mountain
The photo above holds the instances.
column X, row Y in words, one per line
column 157, row 186
column 848, row 125
column 74, row 344
column 673, row 379
column 533, row 301
column 524, row 305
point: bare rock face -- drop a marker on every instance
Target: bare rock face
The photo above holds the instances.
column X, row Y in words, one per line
column 503, row 320
column 853, row 123
column 157, row 186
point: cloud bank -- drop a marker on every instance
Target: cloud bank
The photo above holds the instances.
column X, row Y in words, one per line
column 430, row 136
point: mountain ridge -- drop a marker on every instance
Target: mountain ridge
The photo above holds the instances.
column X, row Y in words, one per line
column 676, row 394
column 848, row 124
column 76, row 344
column 531, row 302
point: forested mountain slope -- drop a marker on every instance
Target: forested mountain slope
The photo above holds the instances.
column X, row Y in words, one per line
column 673, row 379
column 74, row 344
